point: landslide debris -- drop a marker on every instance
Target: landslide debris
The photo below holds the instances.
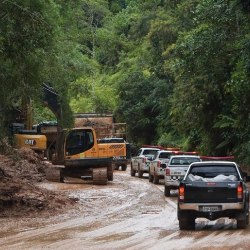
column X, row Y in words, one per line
column 20, row 171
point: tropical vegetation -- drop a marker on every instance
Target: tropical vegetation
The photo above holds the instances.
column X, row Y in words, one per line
column 177, row 72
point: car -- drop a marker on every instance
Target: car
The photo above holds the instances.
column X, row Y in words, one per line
column 140, row 162
column 176, row 170
column 212, row 190
column 158, row 165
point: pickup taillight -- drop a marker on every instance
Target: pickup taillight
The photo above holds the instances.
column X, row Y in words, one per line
column 167, row 171
column 240, row 191
column 181, row 192
column 144, row 159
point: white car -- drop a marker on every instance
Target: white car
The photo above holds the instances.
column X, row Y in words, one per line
column 158, row 165
column 176, row 170
column 140, row 162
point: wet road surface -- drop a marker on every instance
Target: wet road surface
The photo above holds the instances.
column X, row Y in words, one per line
column 128, row 213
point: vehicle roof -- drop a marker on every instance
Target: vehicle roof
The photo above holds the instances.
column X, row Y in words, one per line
column 165, row 151
column 156, row 149
column 186, row 156
column 215, row 163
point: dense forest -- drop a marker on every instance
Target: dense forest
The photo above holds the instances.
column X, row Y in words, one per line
column 177, row 71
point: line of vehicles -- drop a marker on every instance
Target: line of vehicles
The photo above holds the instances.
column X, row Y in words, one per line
column 169, row 164
column 208, row 187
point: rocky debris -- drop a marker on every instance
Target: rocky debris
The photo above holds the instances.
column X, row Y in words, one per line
column 20, row 171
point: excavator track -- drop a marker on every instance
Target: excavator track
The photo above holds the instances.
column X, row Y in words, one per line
column 100, row 176
column 53, row 174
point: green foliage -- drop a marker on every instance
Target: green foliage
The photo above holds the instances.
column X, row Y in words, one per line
column 201, row 62
column 177, row 72
column 137, row 106
column 30, row 55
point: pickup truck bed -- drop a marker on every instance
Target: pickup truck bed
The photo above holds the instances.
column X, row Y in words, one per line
column 213, row 190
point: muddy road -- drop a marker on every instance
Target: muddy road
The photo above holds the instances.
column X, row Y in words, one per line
column 128, row 213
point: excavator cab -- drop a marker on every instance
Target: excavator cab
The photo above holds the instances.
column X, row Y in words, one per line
column 79, row 141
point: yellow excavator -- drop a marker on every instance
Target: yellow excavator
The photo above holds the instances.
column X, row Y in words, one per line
column 42, row 137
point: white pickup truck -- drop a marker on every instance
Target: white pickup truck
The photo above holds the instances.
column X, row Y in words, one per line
column 176, row 170
column 140, row 162
column 158, row 165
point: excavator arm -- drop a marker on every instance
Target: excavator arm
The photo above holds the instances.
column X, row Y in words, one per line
column 50, row 100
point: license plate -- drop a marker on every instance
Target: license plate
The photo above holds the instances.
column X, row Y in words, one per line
column 210, row 208
column 176, row 173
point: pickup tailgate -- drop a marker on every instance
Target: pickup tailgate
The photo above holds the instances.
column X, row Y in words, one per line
column 178, row 171
column 211, row 192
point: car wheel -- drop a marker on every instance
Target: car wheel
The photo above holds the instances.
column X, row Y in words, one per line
column 243, row 221
column 62, row 179
column 132, row 172
column 156, row 179
column 140, row 174
column 242, row 224
column 150, row 177
column 124, row 167
column 167, row 191
column 187, row 224
column 186, row 221
column 110, row 173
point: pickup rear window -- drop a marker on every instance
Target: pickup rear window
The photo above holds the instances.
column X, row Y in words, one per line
column 183, row 160
column 213, row 173
column 164, row 155
column 149, row 152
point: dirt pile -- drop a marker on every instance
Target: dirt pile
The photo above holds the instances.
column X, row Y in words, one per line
column 20, row 171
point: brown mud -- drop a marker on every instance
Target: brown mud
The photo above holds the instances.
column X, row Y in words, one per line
column 128, row 213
